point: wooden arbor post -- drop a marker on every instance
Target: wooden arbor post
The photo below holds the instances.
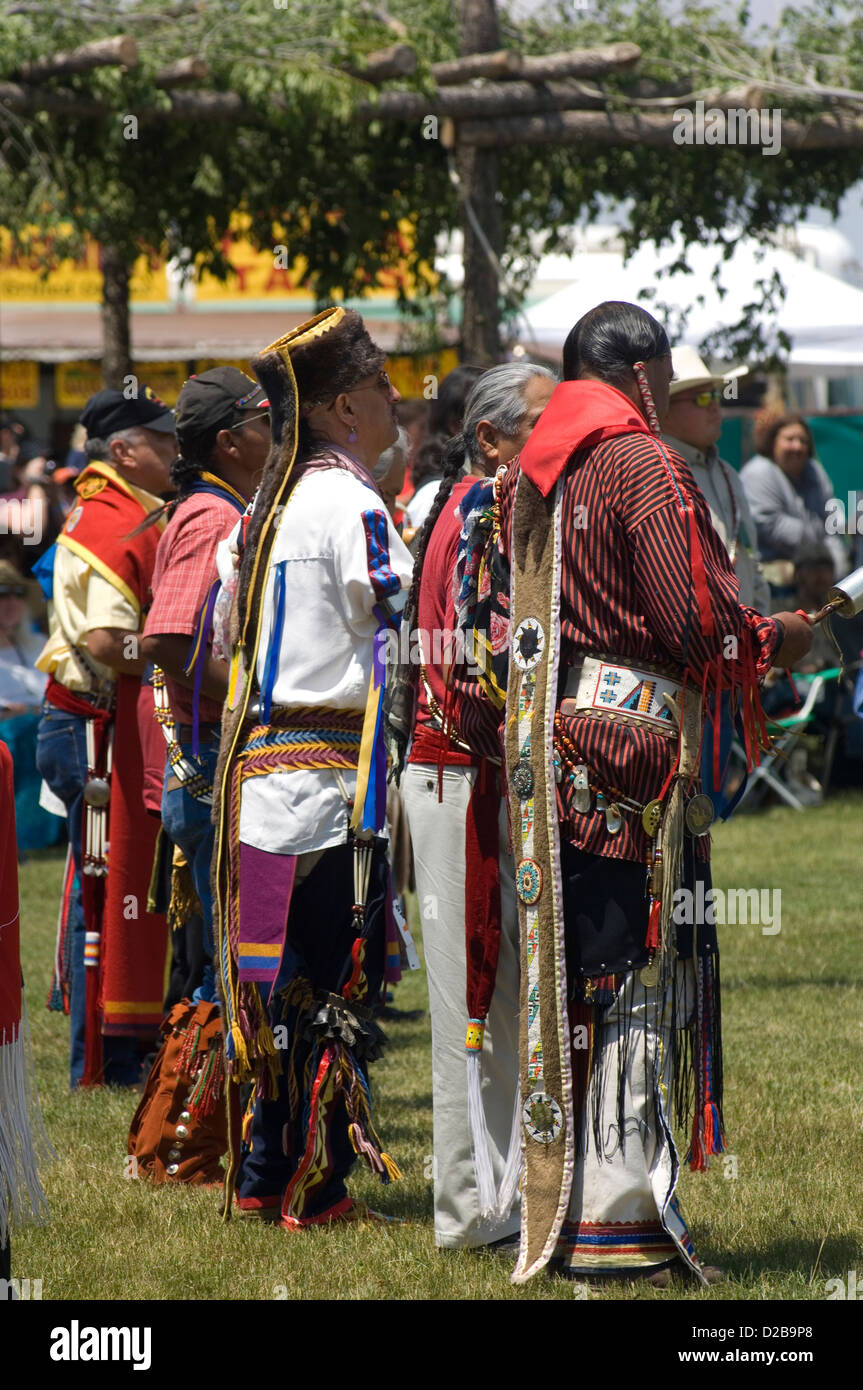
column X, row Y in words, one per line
column 479, row 212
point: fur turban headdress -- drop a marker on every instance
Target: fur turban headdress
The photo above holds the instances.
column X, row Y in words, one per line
column 309, row 366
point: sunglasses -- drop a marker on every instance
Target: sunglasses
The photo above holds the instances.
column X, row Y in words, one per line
column 12, row 591
column 704, row 398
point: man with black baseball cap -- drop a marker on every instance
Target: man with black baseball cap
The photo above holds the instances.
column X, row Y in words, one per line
column 88, row 749
column 108, row 412
column 224, row 437
column 221, row 398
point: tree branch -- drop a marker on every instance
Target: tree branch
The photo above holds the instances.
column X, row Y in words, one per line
column 28, row 100
column 399, row 60
column 490, row 99
column 503, row 63
column 587, row 62
column 215, row 106
column 836, row 131
column 121, row 51
column 581, row 62
column 184, row 70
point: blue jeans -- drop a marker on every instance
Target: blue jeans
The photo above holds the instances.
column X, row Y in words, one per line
column 188, row 823
column 61, row 758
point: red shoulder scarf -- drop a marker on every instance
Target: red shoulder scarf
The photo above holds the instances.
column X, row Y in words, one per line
column 98, row 530
column 579, row 415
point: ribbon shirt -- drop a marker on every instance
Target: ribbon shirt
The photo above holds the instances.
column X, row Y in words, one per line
column 335, row 558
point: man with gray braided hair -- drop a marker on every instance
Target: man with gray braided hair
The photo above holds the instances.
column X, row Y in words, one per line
column 463, row 868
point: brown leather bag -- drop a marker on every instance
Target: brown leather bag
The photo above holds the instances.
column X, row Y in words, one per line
column 179, row 1131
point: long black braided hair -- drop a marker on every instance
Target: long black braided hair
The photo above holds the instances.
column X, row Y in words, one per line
column 402, row 694
column 453, row 461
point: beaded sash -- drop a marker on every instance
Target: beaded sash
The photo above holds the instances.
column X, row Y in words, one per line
column 302, row 739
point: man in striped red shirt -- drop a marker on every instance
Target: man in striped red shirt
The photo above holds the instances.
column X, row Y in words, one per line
column 624, row 614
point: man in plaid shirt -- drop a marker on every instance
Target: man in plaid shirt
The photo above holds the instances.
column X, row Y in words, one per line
column 224, row 437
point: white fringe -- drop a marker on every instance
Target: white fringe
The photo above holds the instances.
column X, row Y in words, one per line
column 23, row 1141
column 512, row 1172
column 479, row 1136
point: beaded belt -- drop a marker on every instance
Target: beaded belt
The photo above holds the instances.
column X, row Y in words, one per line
column 627, row 694
column 306, row 738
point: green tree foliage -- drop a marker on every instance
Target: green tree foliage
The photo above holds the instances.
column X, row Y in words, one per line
column 170, row 182
column 303, row 154
column 697, row 193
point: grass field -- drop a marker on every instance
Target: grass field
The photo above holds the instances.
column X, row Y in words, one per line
column 790, row 1219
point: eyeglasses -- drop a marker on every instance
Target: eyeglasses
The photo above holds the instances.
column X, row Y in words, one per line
column 704, row 398
column 250, row 420
column 382, row 383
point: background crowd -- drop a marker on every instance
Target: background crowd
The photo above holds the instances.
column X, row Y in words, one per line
column 787, row 554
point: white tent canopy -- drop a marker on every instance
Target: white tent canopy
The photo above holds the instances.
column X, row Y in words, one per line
column 822, row 315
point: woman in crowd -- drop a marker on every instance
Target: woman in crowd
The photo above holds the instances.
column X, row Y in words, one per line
column 788, row 492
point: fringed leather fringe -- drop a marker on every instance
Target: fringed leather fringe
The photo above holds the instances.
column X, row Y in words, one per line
column 23, row 1141
column 688, row 999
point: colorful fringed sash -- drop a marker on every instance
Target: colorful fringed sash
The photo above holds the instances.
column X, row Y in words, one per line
column 345, row 1038
column 309, row 738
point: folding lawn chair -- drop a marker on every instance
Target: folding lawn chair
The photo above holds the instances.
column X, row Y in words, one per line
column 785, row 733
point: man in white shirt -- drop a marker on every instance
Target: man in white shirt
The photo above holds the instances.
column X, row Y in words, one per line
column 301, row 870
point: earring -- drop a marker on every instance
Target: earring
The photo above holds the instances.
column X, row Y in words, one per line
column 646, row 397
column 352, row 437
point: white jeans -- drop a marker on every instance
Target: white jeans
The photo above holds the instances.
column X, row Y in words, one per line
column 438, row 837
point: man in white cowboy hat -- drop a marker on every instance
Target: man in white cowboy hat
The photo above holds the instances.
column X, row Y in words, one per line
column 692, row 427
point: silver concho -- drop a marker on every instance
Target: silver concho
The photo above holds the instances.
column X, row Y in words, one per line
column 542, row 1117
column 649, row 974
column 699, row 815
column 97, row 792
column 522, row 778
column 528, row 644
